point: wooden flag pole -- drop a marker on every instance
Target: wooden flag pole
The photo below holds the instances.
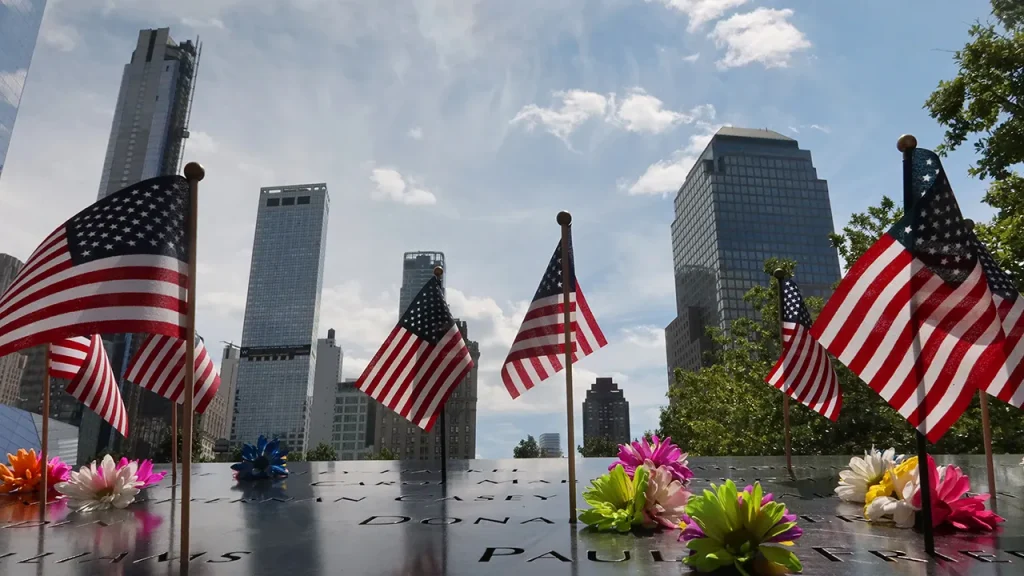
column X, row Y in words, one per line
column 564, row 220
column 986, row 426
column 45, row 440
column 780, row 277
column 193, row 173
column 906, row 145
column 174, row 443
column 438, row 272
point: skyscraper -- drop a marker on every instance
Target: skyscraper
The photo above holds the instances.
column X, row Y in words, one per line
column 751, row 195
column 150, row 123
column 354, row 421
column 550, row 444
column 12, row 366
column 329, row 357
column 605, row 413
column 282, row 311
column 417, row 268
column 215, row 423
column 19, row 29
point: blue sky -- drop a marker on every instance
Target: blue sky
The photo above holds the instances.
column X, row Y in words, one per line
column 464, row 126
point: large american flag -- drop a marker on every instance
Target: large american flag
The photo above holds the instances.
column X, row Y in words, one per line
column 159, row 366
column 539, row 347
column 84, row 362
column 117, row 266
column 915, row 317
column 804, row 371
column 421, row 362
column 1008, row 383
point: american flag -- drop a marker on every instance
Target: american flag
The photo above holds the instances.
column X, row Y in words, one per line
column 1008, row 383
column 421, row 362
column 159, row 366
column 84, row 361
column 804, row 370
column 915, row 317
column 117, row 266
column 539, row 346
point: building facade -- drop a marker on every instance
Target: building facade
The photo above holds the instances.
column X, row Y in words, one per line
column 19, row 29
column 329, row 358
column 13, row 365
column 20, row 429
column 215, row 423
column 606, row 412
column 282, row 312
column 751, row 195
column 550, row 444
column 417, row 268
column 355, row 414
column 229, row 378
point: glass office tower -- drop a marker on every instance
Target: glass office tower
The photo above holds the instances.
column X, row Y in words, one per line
column 19, row 28
column 752, row 195
column 282, row 311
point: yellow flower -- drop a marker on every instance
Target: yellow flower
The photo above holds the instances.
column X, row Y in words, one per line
column 23, row 473
column 893, row 481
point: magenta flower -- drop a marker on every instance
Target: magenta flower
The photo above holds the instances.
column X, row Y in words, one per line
column 951, row 506
column 145, row 473
column 666, row 454
column 56, row 471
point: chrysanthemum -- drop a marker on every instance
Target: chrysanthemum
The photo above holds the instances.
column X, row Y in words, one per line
column 950, row 505
column 264, row 460
column 617, row 502
column 864, row 473
column 144, row 473
column 891, row 500
column 665, row 497
column 724, row 528
column 103, row 487
column 661, row 453
column 24, row 473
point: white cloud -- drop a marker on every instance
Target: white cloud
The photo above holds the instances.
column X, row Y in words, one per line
column 666, row 176
column 60, row 36
column 821, row 128
column 416, row 133
column 11, row 86
column 794, row 130
column 691, row 57
column 764, row 35
column 216, row 23
column 200, row 142
column 391, row 185
column 645, row 336
column 577, row 106
column 701, row 11
column 641, row 112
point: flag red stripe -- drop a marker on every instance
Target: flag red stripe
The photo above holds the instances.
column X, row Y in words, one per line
column 95, row 386
column 159, row 366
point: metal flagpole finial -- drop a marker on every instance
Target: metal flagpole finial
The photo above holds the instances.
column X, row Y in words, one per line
column 779, row 274
column 906, row 142
column 194, row 171
column 564, row 218
column 438, row 271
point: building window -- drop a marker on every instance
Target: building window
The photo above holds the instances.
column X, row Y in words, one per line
column 287, row 201
column 273, row 201
column 303, row 200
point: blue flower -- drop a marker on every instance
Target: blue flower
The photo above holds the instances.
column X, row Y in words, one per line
column 262, row 461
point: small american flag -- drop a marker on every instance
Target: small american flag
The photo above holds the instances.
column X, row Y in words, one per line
column 1008, row 383
column 421, row 362
column 84, row 361
column 539, row 346
column 804, row 370
column 915, row 317
column 117, row 266
column 159, row 366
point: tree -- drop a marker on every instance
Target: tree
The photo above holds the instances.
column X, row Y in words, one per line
column 526, row 449
column 384, row 454
column 236, row 454
column 599, row 447
column 985, row 103
column 323, row 452
column 163, row 451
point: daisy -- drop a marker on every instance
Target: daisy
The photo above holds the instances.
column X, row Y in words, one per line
column 864, row 473
column 103, row 487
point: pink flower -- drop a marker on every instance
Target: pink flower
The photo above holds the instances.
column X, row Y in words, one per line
column 665, row 497
column 659, row 453
column 56, row 471
column 951, row 506
column 145, row 473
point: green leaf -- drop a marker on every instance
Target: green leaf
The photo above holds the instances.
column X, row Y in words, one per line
column 782, row 557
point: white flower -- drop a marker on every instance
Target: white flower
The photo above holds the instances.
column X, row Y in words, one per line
column 101, row 488
column 897, row 510
column 864, row 473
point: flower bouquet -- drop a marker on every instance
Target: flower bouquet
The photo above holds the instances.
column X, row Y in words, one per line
column 894, row 495
column 745, row 530
column 105, row 485
column 263, row 461
column 24, row 472
column 645, row 487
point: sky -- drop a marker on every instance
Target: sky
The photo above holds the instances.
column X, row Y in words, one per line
column 464, row 126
